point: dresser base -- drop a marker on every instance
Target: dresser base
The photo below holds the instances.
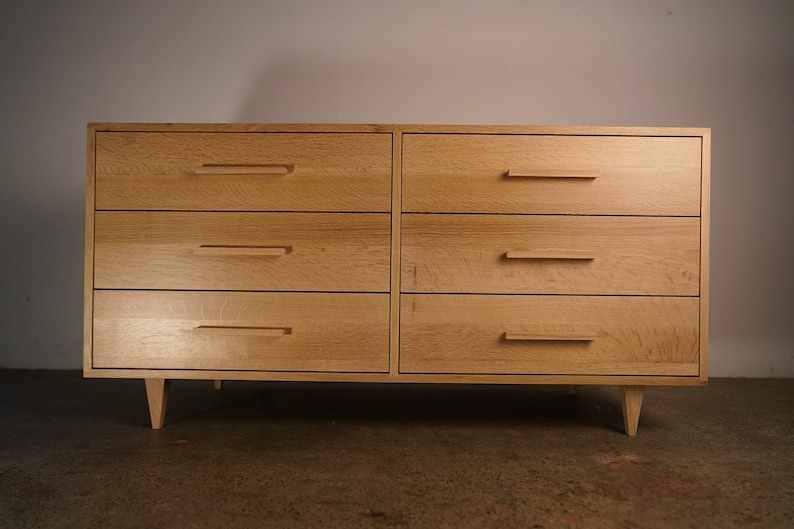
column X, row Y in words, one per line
column 157, row 390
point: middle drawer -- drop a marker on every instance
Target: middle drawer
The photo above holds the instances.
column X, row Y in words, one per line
column 540, row 254
column 242, row 251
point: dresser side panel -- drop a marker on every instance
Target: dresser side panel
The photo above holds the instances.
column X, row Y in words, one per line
column 88, row 277
column 396, row 252
column 705, row 244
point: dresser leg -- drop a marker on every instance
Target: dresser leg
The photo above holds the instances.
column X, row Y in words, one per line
column 631, row 402
column 157, row 395
column 218, row 385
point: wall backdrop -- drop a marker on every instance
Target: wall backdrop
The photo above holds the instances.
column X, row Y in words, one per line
column 724, row 64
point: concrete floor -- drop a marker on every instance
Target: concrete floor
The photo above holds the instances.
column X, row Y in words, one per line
column 79, row 453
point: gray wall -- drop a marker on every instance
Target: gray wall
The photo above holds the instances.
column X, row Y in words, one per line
column 724, row 64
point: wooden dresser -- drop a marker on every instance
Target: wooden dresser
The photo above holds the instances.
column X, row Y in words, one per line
column 397, row 253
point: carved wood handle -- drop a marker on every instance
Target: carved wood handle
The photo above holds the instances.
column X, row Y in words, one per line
column 572, row 255
column 268, row 332
column 534, row 336
column 553, row 173
column 267, row 251
column 251, row 170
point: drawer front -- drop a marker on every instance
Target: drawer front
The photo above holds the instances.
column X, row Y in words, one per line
column 243, row 171
column 606, row 175
column 549, row 335
column 241, row 331
column 242, row 251
column 526, row 254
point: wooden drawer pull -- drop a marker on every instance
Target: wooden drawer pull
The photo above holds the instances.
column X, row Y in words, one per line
column 267, row 251
column 549, row 173
column 252, row 170
column 549, row 254
column 268, row 332
column 573, row 336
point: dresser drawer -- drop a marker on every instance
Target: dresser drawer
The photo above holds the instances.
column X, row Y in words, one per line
column 243, row 171
column 242, row 251
column 607, row 175
column 549, row 335
column 546, row 254
column 241, row 331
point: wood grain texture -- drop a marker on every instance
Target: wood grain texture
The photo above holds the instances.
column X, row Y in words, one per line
column 396, row 263
column 387, row 378
column 242, row 250
column 460, row 173
column 157, row 390
column 551, row 336
column 238, row 170
column 403, row 128
column 552, row 173
column 630, row 255
column 465, row 334
column 631, row 404
column 552, row 254
column 155, row 330
column 236, row 330
column 163, row 250
column 156, row 171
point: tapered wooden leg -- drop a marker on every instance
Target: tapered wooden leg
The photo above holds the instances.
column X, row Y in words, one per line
column 218, row 385
column 157, row 394
column 631, row 402
column 573, row 390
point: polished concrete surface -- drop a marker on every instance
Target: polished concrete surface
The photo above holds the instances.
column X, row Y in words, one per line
column 79, row 453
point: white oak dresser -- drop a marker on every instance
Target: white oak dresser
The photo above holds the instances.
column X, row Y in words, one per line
column 397, row 253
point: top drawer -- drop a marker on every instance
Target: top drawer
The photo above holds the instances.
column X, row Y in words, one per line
column 243, row 171
column 547, row 174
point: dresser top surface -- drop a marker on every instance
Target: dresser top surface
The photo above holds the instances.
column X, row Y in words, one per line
column 398, row 128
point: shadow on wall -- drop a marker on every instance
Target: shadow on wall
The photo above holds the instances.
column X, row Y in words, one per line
column 461, row 82
column 352, row 84
column 293, row 91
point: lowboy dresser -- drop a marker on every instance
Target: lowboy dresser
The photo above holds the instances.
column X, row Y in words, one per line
column 397, row 253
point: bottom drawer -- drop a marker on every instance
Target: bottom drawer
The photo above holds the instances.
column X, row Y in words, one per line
column 241, row 331
column 549, row 335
